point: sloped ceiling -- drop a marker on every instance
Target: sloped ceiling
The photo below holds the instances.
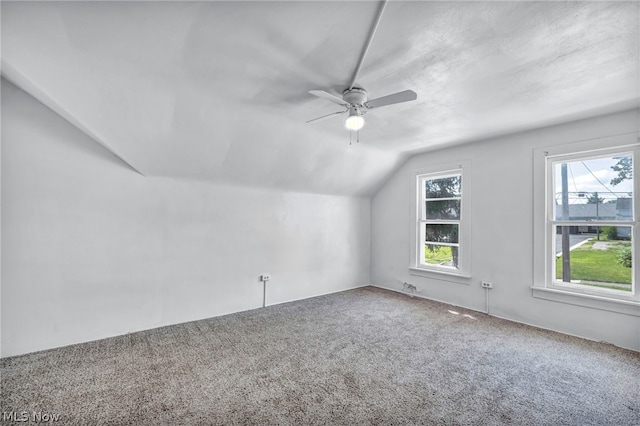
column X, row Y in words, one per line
column 219, row 90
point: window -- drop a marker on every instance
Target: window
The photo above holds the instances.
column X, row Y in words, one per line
column 440, row 227
column 589, row 224
column 591, row 219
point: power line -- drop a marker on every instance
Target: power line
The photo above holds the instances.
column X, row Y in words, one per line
column 596, row 178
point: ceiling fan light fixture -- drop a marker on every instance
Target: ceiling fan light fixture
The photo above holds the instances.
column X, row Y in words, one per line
column 354, row 121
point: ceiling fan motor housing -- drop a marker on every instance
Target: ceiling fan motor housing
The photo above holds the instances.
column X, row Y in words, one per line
column 355, row 96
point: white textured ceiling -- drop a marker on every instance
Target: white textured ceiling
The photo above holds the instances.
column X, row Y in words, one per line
column 218, row 90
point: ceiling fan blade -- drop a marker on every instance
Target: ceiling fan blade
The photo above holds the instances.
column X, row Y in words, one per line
column 326, row 116
column 328, row 96
column 407, row 95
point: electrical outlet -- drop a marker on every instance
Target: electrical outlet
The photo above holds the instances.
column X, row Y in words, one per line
column 265, row 277
column 487, row 284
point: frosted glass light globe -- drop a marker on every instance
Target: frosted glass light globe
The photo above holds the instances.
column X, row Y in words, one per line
column 354, row 122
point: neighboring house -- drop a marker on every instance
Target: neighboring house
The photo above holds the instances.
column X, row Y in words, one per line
column 624, row 211
column 620, row 210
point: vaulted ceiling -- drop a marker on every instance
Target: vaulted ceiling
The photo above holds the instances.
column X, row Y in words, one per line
column 219, row 90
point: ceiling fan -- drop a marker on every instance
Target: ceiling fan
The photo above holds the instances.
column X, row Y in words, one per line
column 356, row 104
column 354, row 99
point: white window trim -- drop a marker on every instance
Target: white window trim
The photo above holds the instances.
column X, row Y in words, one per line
column 543, row 286
column 464, row 231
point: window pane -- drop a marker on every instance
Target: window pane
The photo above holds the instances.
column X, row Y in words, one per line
column 441, row 255
column 601, row 259
column 443, row 209
column 443, row 187
column 441, row 233
column 594, row 189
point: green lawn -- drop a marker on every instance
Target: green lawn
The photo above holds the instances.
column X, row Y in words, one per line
column 599, row 266
column 438, row 256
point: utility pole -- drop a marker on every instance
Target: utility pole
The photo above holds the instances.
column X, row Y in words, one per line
column 566, row 242
column 597, row 217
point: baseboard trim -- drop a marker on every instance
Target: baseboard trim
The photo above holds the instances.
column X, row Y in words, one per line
column 430, row 298
column 503, row 318
column 315, row 295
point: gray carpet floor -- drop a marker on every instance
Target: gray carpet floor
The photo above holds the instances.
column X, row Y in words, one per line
column 364, row 356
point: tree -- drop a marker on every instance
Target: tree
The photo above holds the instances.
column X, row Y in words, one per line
column 593, row 198
column 624, row 169
column 448, row 187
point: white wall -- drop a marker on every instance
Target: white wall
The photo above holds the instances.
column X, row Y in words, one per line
column 501, row 176
column 91, row 249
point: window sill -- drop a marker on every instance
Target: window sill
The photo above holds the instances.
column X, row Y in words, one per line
column 627, row 307
column 440, row 274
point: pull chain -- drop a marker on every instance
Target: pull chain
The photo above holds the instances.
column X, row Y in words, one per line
column 351, row 136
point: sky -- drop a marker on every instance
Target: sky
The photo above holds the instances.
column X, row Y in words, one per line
column 598, row 179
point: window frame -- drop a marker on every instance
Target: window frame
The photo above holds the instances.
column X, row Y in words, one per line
column 416, row 264
column 545, row 284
